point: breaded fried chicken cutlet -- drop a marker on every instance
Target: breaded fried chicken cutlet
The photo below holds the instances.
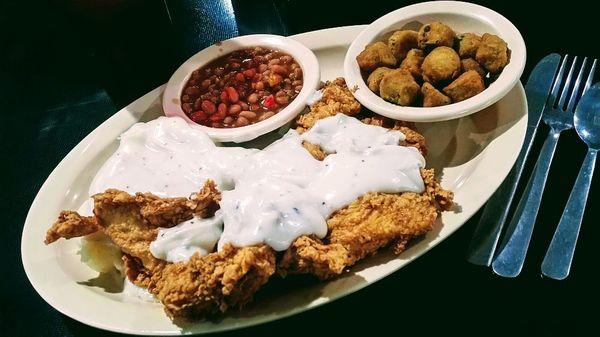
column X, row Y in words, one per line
column 229, row 276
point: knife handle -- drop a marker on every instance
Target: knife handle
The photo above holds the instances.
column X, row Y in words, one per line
column 487, row 234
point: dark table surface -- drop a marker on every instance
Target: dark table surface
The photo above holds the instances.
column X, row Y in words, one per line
column 66, row 66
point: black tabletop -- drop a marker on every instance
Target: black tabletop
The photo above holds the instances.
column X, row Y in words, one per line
column 66, row 66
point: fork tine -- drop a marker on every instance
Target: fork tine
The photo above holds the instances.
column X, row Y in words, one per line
column 590, row 78
column 565, row 91
column 557, row 82
column 575, row 90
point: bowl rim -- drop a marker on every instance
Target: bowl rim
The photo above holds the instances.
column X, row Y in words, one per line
column 498, row 89
column 301, row 54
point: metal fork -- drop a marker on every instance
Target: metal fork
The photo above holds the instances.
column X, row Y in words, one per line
column 558, row 117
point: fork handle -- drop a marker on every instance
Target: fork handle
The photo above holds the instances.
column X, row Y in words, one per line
column 511, row 257
column 557, row 262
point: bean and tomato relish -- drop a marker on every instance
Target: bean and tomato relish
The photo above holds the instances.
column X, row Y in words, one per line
column 241, row 88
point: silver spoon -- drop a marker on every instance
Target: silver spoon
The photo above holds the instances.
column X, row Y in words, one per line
column 558, row 259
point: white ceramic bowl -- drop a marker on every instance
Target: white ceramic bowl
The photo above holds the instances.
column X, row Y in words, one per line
column 462, row 17
column 304, row 56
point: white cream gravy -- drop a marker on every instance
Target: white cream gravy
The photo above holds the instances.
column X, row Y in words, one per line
column 269, row 196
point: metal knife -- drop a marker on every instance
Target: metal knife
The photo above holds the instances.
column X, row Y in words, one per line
column 486, row 236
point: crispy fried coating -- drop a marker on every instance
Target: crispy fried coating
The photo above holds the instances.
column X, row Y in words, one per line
column 442, row 64
column 310, row 255
column 435, row 34
column 375, row 55
column 337, row 98
column 492, row 53
column 401, row 41
column 399, row 87
column 471, row 64
column 132, row 222
column 375, row 78
column 412, row 62
column 314, row 150
column 71, row 225
column 465, row 86
column 468, row 44
column 371, row 222
column 433, row 97
column 213, row 283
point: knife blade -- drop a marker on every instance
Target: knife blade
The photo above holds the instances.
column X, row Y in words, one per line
column 488, row 230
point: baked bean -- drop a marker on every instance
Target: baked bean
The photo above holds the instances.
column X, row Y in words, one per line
column 216, row 125
column 254, row 107
column 279, row 69
column 235, row 109
column 282, row 100
column 248, row 114
column 298, row 73
column 249, row 73
column 262, row 68
column 298, row 88
column 223, row 95
column 208, row 107
column 274, row 79
column 192, row 91
column 253, row 98
column 240, row 77
column 244, row 105
column 222, row 109
column 186, row 98
column 187, row 107
column 274, row 62
column 228, row 120
column 266, row 115
column 241, row 121
column 260, row 85
column 280, row 93
column 198, row 103
column 198, row 116
column 219, row 71
column 297, row 82
column 286, row 59
column 233, row 94
column 205, row 83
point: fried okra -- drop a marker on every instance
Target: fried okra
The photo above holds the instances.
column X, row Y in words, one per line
column 412, row 62
column 375, row 78
column 468, row 44
column 465, row 86
column 433, row 97
column 435, row 34
column 493, row 53
column 470, row 64
column 442, row 64
column 401, row 42
column 399, row 87
column 376, row 55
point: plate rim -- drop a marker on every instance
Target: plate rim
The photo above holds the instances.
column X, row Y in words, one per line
column 89, row 139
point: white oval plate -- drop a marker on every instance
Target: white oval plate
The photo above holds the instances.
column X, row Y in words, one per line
column 473, row 154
